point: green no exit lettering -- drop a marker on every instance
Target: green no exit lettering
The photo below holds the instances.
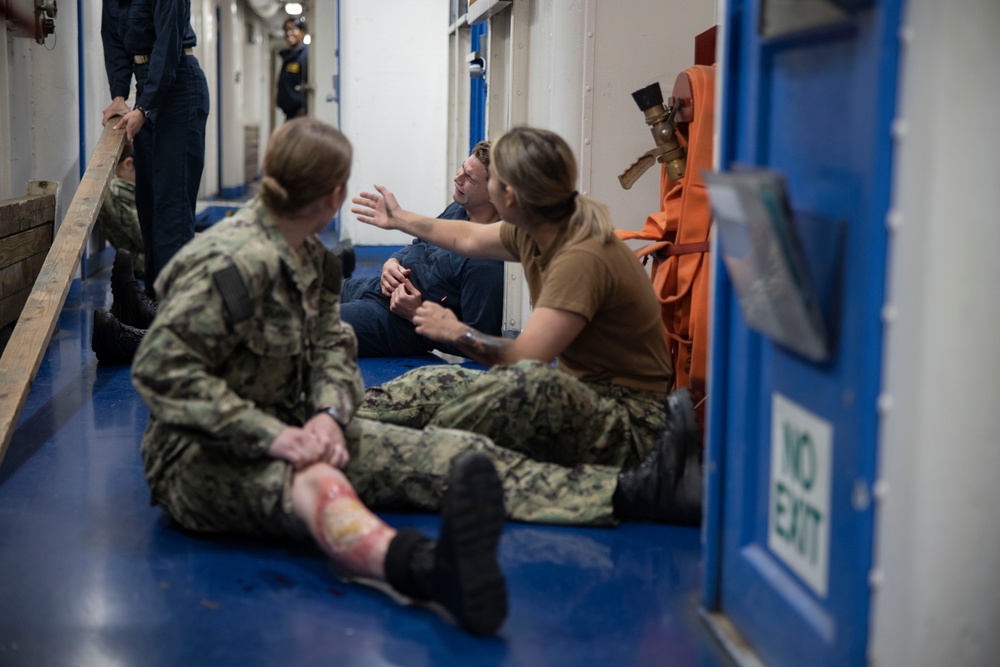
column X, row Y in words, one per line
column 796, row 520
column 799, row 513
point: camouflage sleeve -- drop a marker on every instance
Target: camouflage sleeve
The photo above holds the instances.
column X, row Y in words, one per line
column 119, row 223
column 175, row 367
column 334, row 379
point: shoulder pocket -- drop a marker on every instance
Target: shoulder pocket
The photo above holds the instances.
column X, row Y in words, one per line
column 235, row 295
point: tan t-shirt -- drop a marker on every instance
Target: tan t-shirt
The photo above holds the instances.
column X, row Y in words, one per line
column 623, row 341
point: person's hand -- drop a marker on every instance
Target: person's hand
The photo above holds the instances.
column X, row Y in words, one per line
column 437, row 322
column 405, row 300
column 378, row 209
column 329, row 433
column 298, row 446
column 393, row 275
column 116, row 108
column 132, row 122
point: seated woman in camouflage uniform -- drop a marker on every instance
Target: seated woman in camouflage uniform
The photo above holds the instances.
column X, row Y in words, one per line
column 251, row 381
column 594, row 311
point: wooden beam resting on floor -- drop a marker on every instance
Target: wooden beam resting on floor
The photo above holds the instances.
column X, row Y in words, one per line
column 33, row 331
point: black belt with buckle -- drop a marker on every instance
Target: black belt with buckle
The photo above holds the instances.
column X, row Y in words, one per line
column 142, row 60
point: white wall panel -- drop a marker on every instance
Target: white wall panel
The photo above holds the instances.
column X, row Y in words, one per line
column 42, row 101
column 394, row 64
column 937, row 552
column 324, row 62
column 206, row 27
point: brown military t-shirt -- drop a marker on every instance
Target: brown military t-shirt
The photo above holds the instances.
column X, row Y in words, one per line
column 623, row 342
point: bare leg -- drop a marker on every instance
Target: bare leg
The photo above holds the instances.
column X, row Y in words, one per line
column 345, row 529
column 460, row 572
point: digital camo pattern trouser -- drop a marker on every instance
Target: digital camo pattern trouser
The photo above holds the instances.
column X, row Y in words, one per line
column 206, row 489
column 558, row 443
column 529, row 407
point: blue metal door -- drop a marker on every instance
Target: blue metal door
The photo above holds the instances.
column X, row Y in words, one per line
column 809, row 93
column 477, row 87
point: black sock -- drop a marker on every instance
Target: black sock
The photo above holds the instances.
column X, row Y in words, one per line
column 409, row 564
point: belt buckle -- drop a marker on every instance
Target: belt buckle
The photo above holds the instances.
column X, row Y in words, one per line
column 142, row 60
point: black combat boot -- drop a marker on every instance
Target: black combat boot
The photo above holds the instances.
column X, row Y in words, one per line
column 461, row 571
column 348, row 258
column 667, row 486
column 130, row 303
column 114, row 342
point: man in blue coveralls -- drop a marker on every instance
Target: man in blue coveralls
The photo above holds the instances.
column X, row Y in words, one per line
column 153, row 41
column 381, row 308
column 294, row 68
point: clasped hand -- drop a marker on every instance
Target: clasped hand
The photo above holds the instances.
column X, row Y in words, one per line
column 393, row 275
column 405, row 301
column 320, row 441
column 437, row 322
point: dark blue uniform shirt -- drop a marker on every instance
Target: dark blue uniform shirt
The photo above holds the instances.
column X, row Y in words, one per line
column 160, row 29
column 471, row 288
column 293, row 74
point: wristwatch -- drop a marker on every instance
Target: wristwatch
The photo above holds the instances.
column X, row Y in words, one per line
column 334, row 415
column 145, row 112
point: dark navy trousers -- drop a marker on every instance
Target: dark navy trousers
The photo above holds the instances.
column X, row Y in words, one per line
column 169, row 160
column 379, row 332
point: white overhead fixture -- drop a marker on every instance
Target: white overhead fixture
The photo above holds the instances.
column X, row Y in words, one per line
column 293, row 8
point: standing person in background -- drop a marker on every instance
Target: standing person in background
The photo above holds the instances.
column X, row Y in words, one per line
column 152, row 40
column 294, row 69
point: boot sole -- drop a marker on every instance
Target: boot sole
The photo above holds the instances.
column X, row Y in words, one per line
column 472, row 522
column 688, row 488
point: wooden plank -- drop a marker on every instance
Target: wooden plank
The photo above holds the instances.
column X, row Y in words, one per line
column 22, row 274
column 33, row 331
column 12, row 304
column 17, row 215
column 19, row 247
column 18, row 278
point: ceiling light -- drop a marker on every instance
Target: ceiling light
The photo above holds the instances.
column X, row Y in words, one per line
column 293, row 8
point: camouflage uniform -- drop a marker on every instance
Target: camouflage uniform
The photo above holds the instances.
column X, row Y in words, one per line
column 118, row 221
column 248, row 340
column 245, row 342
column 406, row 472
column 558, row 443
column 529, row 407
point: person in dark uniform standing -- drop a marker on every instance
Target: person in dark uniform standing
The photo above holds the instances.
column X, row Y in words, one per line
column 153, row 41
column 294, row 69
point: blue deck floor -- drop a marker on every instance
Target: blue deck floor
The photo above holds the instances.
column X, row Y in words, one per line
column 92, row 575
